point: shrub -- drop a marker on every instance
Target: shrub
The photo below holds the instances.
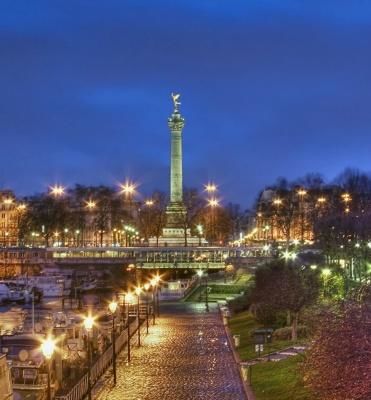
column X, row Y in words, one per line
column 239, row 304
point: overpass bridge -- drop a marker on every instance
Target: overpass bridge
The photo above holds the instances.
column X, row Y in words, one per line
column 157, row 257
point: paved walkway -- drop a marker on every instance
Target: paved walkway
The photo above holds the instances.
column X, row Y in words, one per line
column 185, row 357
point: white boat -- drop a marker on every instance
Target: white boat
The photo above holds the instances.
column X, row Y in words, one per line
column 10, row 292
column 50, row 286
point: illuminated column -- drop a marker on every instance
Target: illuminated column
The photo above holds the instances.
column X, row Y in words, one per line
column 176, row 124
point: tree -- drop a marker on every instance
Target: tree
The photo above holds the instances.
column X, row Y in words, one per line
column 284, row 286
column 338, row 363
column 152, row 216
column 193, row 204
column 45, row 215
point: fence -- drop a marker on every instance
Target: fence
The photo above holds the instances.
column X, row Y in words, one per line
column 99, row 367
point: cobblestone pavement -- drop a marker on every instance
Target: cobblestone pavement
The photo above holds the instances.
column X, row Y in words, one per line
column 184, row 357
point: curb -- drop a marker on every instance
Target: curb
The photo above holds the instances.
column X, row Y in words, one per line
column 247, row 388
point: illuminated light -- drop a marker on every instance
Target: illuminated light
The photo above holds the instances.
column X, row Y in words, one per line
column 149, row 203
column 295, row 242
column 266, row 247
column 146, row 286
column 313, row 267
column 88, row 322
column 213, row 202
column 57, row 190
column 200, row 229
column 286, row 255
column 321, row 200
column 21, row 207
column 56, row 234
column 346, row 197
column 112, row 306
column 128, row 188
column 357, row 245
column 369, row 245
column 66, row 230
column 77, row 231
column 302, row 192
column 8, row 201
column 293, row 256
column 277, row 202
column 347, row 210
column 326, row 272
column 260, row 214
column 200, row 273
column 153, row 282
column 48, row 347
column 90, row 204
column 138, row 290
column 210, row 187
column 129, row 297
column 157, row 279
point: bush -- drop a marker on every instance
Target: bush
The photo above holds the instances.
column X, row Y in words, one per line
column 227, row 289
column 239, row 304
column 285, row 333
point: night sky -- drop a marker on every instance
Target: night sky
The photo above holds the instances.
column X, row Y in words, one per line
column 269, row 88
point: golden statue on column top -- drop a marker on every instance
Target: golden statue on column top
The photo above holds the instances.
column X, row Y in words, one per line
column 175, row 97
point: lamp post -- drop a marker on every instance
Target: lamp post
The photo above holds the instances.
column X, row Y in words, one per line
column 207, row 287
column 129, row 298
column 153, row 284
column 158, row 279
column 200, row 233
column 199, row 274
column 138, row 291
column 88, row 324
column 146, row 287
column 112, row 307
column 47, row 348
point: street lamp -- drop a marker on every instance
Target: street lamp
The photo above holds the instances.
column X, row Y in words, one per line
column 213, row 203
column 210, row 187
column 88, row 324
column 90, row 204
column 57, row 190
column 47, row 348
column 113, row 307
column 138, row 291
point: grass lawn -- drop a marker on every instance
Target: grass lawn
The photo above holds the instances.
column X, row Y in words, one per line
column 217, row 292
column 279, row 380
column 244, row 324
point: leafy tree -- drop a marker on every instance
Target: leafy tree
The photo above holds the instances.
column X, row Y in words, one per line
column 284, row 286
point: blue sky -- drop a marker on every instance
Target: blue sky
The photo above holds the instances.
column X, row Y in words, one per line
column 269, row 88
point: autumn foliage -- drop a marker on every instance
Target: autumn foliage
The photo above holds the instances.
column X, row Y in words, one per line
column 339, row 362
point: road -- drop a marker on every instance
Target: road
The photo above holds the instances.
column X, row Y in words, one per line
column 184, row 357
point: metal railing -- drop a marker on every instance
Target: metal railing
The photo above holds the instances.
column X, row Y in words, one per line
column 80, row 389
